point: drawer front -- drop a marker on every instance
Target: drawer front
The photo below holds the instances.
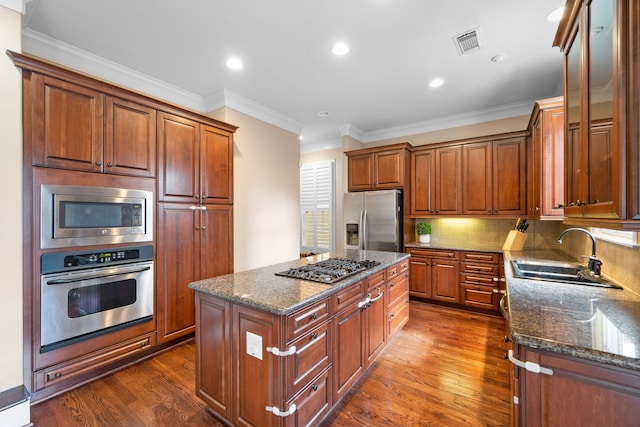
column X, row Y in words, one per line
column 485, row 257
column 398, row 289
column 476, row 268
column 397, row 316
column 313, row 354
column 313, row 403
column 56, row 374
column 397, row 269
column 478, row 280
column 347, row 296
column 434, row 253
column 375, row 281
column 307, row 318
column 480, row 296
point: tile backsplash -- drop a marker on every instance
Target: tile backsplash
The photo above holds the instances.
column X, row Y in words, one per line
column 619, row 262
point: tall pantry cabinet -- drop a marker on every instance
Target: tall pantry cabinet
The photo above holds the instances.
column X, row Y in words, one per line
column 195, row 214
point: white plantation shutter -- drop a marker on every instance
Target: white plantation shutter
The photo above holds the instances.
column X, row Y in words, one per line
column 317, row 206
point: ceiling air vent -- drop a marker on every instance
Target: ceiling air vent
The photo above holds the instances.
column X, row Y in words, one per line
column 469, row 41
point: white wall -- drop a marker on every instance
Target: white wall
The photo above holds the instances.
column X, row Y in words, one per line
column 11, row 214
column 266, row 194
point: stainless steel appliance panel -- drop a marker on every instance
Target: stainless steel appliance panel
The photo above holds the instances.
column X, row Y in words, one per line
column 378, row 216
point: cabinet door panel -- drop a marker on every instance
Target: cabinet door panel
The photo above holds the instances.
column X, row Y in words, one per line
column 444, row 280
column 509, row 177
column 420, row 277
column 360, row 172
column 257, row 377
column 178, row 248
column 448, row 191
column 477, row 179
column 422, row 182
column 389, row 169
column 348, row 359
column 375, row 315
column 216, row 165
column 130, row 138
column 178, row 156
column 216, row 231
column 69, row 130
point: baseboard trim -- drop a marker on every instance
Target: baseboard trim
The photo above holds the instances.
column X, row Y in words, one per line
column 14, row 407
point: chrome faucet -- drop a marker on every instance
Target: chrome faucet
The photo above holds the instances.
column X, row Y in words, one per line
column 595, row 265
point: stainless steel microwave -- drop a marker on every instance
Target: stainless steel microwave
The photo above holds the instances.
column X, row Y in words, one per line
column 73, row 215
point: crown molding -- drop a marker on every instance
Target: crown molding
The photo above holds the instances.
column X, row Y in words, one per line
column 313, row 147
column 62, row 53
column 15, row 5
column 449, row 122
column 349, row 129
column 227, row 98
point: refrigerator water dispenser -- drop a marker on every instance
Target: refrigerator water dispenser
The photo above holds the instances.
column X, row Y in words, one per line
column 352, row 235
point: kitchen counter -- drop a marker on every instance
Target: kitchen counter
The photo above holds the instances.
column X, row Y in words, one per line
column 261, row 288
column 591, row 323
column 458, row 246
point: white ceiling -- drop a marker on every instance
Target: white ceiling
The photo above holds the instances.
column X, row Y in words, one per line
column 177, row 50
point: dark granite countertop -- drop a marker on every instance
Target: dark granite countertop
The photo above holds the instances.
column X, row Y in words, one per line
column 262, row 289
column 458, row 246
column 598, row 324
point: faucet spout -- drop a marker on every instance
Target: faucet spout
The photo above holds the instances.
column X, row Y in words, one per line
column 595, row 265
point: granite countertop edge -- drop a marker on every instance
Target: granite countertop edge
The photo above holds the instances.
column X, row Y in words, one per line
column 458, row 246
column 264, row 281
column 521, row 334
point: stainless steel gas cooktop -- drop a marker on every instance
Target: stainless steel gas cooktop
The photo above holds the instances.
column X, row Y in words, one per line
column 328, row 271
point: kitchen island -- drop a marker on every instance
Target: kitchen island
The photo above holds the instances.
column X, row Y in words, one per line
column 575, row 349
column 275, row 351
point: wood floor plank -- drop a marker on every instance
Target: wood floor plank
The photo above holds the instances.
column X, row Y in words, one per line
column 445, row 368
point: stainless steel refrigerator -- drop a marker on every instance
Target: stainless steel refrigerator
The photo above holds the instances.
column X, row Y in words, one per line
column 373, row 220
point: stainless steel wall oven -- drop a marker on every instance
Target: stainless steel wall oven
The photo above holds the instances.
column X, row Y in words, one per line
column 88, row 293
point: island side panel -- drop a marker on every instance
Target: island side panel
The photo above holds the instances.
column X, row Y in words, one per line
column 213, row 353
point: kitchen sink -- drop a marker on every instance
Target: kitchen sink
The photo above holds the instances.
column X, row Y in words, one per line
column 562, row 272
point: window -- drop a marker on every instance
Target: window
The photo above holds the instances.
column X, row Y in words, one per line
column 624, row 238
column 317, row 206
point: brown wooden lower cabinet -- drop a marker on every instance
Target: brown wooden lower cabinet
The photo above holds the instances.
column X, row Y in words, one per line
column 255, row 368
column 467, row 279
column 577, row 393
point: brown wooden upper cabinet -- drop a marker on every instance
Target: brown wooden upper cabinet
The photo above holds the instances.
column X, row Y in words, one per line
column 494, row 179
column 436, row 177
column 378, row 168
column 599, row 39
column 545, row 160
column 478, row 177
column 196, row 161
column 85, row 129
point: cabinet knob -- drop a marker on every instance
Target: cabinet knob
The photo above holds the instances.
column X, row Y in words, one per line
column 204, row 227
column 314, row 336
column 197, row 228
column 505, row 356
column 506, row 339
column 314, row 316
column 99, row 163
column 110, row 164
column 314, row 387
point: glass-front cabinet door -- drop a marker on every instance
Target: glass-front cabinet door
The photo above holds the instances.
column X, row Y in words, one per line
column 602, row 170
column 593, row 143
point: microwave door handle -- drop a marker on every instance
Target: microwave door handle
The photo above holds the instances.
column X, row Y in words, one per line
column 98, row 276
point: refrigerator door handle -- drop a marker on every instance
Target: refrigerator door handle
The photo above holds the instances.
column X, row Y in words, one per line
column 363, row 227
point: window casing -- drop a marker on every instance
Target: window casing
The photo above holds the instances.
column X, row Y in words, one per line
column 317, row 206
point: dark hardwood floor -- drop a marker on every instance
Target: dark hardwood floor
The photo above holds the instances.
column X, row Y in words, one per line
column 445, row 368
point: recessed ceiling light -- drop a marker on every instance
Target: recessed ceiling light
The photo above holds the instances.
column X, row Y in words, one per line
column 234, row 63
column 436, row 82
column 499, row 58
column 340, row 49
column 555, row 15
column 323, row 113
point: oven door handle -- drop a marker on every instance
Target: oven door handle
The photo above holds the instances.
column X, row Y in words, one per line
column 82, row 279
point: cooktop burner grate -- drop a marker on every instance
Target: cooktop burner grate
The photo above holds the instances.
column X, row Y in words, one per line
column 328, row 271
